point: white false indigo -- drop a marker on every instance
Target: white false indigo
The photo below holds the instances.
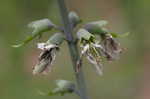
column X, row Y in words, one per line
column 89, row 49
column 95, row 51
column 110, row 47
column 48, row 54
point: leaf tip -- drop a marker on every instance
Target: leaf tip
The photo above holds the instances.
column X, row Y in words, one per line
column 17, row 45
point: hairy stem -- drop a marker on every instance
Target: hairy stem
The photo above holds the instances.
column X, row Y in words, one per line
column 73, row 48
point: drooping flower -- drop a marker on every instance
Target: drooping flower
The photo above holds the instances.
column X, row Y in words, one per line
column 90, row 49
column 111, row 47
column 46, row 58
column 48, row 54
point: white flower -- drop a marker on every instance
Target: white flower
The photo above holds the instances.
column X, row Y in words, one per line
column 90, row 50
column 46, row 57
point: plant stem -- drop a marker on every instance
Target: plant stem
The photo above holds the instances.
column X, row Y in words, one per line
column 72, row 48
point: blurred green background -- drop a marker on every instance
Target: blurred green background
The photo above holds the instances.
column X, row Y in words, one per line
column 127, row 78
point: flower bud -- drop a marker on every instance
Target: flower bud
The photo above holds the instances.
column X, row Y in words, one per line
column 96, row 27
column 41, row 25
column 74, row 18
column 62, row 87
column 64, row 84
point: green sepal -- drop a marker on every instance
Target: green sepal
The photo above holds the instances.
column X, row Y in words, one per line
column 56, row 38
column 83, row 34
column 39, row 27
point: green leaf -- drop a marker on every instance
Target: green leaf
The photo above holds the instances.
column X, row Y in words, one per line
column 118, row 35
column 39, row 27
column 57, row 38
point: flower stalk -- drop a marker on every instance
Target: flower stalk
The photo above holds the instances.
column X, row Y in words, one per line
column 73, row 48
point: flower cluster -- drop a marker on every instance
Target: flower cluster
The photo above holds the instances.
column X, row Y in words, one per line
column 95, row 50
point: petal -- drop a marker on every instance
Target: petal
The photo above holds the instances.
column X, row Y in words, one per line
column 46, row 59
column 41, row 46
column 98, row 66
column 49, row 67
column 103, row 52
column 98, row 46
column 50, row 46
column 99, row 69
column 85, row 48
column 78, row 64
column 45, row 46
column 41, row 66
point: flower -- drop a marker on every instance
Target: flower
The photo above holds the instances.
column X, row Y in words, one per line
column 92, row 52
column 48, row 54
column 95, row 51
column 46, row 58
column 111, row 47
column 90, row 49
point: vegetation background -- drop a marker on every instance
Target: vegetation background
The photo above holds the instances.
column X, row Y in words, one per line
column 127, row 78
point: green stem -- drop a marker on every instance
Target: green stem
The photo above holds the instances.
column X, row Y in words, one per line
column 72, row 48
